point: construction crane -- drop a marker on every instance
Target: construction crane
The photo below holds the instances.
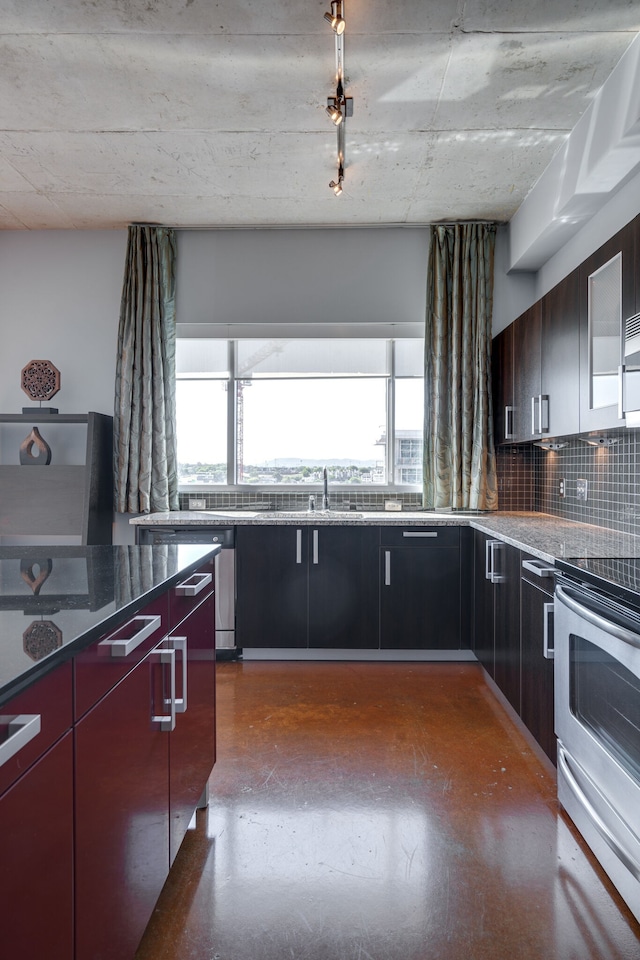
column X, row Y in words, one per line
column 268, row 349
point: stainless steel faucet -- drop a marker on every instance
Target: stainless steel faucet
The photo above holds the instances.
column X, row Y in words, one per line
column 325, row 489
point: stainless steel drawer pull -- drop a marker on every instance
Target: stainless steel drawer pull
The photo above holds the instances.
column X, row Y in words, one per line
column 123, row 646
column 539, row 567
column 298, row 546
column 179, row 644
column 548, row 648
column 167, row 721
column 20, row 730
column 387, row 568
column 419, row 533
column 194, row 585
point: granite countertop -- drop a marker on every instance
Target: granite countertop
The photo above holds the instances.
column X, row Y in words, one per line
column 544, row 536
column 79, row 594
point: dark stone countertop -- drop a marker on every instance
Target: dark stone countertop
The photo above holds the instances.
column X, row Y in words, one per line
column 84, row 592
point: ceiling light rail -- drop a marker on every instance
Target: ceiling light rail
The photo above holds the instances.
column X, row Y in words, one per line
column 339, row 107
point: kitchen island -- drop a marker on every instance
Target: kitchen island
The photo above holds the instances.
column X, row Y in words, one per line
column 103, row 757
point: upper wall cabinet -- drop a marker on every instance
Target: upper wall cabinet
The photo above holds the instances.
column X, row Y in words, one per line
column 536, row 369
column 607, row 298
column 560, row 357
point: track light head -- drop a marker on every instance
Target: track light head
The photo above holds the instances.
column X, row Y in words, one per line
column 336, row 185
column 335, row 111
column 337, row 22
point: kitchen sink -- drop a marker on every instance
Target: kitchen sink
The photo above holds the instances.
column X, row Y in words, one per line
column 311, row 515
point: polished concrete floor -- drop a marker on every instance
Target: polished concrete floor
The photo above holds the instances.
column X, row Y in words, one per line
column 364, row 811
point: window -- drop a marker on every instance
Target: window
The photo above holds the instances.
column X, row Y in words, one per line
column 264, row 412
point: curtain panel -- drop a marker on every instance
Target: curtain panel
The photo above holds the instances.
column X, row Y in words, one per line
column 459, row 459
column 146, row 474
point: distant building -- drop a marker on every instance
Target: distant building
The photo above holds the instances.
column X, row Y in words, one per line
column 407, row 456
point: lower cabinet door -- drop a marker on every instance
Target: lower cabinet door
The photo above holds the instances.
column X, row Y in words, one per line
column 343, row 587
column 420, row 598
column 36, row 873
column 507, row 622
column 537, row 670
column 122, row 813
column 192, row 751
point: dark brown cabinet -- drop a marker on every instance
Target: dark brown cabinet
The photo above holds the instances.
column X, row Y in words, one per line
column 560, row 357
column 483, row 600
column 536, row 626
column 420, row 595
column 505, row 570
column 502, row 385
column 527, row 378
column 307, row 586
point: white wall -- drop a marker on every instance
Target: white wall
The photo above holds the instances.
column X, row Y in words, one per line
column 60, row 301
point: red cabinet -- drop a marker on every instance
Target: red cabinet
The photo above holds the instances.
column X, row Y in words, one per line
column 36, row 811
column 144, row 749
column 122, row 812
column 192, row 742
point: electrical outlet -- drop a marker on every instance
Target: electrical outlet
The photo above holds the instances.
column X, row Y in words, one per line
column 562, row 486
column 581, row 489
column 197, row 503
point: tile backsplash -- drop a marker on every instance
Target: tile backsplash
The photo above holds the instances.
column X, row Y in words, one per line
column 529, row 479
column 361, row 499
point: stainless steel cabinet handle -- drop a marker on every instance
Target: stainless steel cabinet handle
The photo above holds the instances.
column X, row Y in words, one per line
column 534, row 401
column 548, row 649
column 123, row 646
column 539, row 567
column 607, row 835
column 298, row 546
column 419, row 533
column 607, row 626
column 179, row 644
column 543, row 413
column 508, row 423
column 190, row 589
column 490, row 571
column 621, row 397
column 167, row 721
column 315, row 546
column 20, row 730
column 387, row 568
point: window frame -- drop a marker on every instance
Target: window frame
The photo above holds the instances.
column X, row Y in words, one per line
column 233, row 486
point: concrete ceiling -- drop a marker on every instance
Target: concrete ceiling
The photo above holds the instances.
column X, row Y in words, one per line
column 196, row 112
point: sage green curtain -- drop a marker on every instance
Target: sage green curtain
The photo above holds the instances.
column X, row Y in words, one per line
column 459, row 468
column 146, row 474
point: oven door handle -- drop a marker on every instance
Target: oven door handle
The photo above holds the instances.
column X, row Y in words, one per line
column 629, row 862
column 613, row 629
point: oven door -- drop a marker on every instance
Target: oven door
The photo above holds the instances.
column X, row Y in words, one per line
column 597, row 710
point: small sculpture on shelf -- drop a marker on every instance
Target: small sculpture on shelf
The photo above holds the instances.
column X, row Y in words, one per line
column 40, row 380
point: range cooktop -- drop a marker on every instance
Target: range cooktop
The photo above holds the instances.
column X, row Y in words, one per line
column 617, row 577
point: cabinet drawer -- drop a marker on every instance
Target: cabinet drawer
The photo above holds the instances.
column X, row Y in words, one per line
column 538, row 573
column 420, row 536
column 190, row 592
column 112, row 657
column 46, row 712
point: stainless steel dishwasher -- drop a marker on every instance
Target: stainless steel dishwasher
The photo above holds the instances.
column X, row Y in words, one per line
column 225, row 583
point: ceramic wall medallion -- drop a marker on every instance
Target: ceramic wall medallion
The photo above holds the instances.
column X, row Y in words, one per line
column 40, row 380
column 28, row 457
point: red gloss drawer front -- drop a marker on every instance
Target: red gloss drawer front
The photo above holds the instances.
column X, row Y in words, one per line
column 32, row 721
column 103, row 664
column 190, row 592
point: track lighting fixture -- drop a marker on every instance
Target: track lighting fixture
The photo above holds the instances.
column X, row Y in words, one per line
column 335, row 18
column 339, row 107
column 336, row 185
